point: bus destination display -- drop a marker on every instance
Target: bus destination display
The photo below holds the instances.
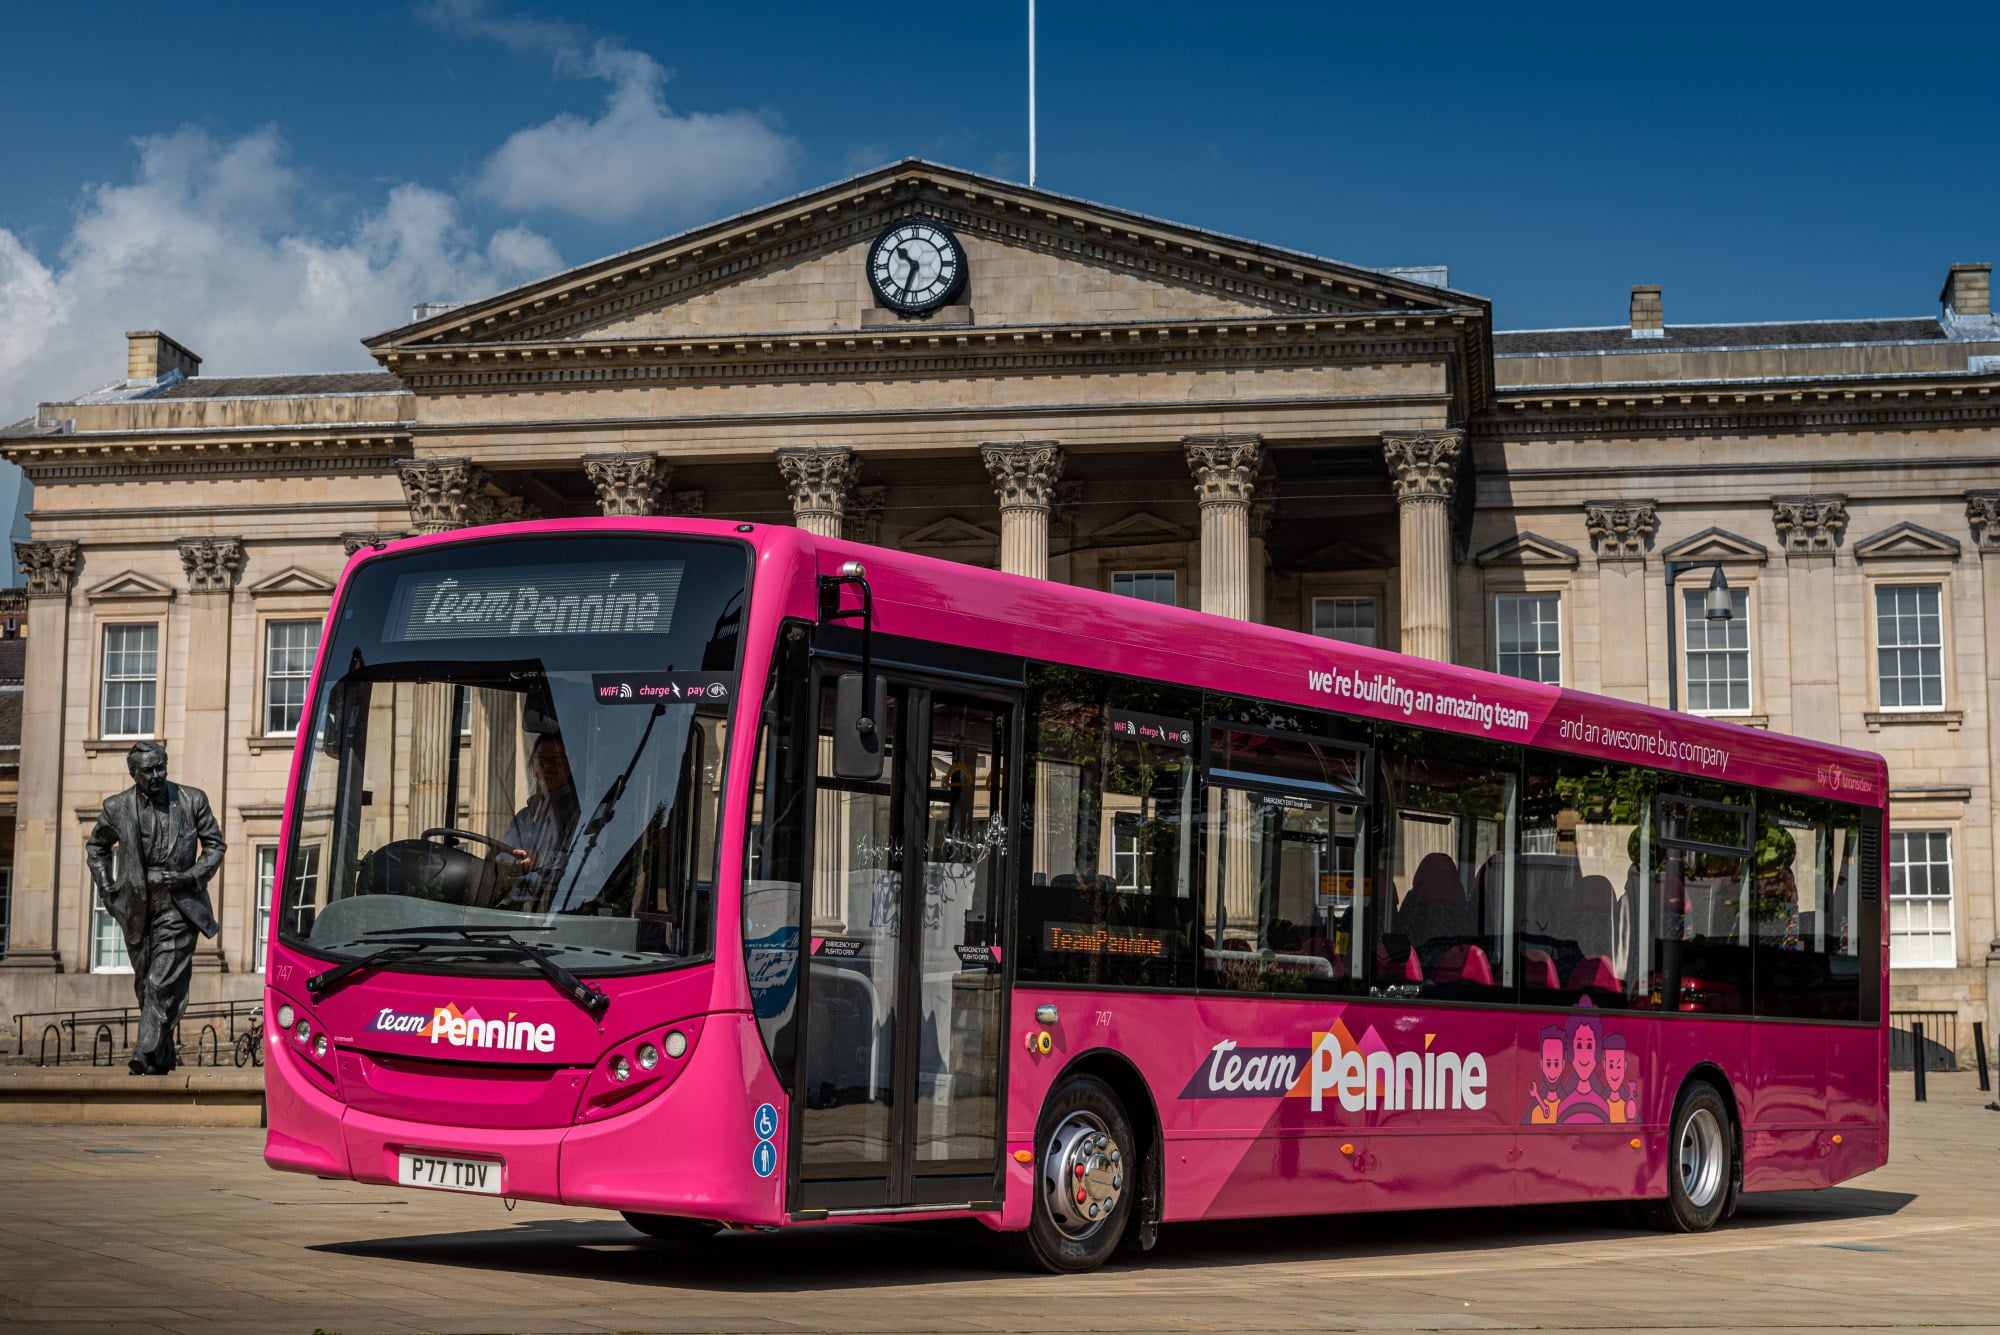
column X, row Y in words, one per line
column 568, row 599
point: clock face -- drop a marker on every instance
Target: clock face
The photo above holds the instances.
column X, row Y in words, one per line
column 916, row 267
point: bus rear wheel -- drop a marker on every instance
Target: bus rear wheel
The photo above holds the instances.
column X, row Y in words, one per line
column 1085, row 1179
column 1701, row 1166
column 673, row 1228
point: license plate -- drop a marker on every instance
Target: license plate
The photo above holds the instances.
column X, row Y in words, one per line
column 481, row 1176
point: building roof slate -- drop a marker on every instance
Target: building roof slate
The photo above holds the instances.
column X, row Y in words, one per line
column 285, row 386
column 1688, row 337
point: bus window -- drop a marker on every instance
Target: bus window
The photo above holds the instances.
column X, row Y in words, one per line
column 1582, row 877
column 1450, row 814
column 1702, row 892
column 1109, row 831
column 1807, row 962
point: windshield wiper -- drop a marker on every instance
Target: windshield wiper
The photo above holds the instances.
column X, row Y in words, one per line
column 501, row 941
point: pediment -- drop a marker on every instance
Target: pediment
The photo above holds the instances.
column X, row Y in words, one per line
column 1527, row 549
column 1342, row 554
column 129, row 584
column 1907, row 540
column 292, row 580
column 1717, row 544
column 1143, row 529
column 1033, row 258
column 949, row 532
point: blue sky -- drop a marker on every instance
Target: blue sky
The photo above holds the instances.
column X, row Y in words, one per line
column 271, row 182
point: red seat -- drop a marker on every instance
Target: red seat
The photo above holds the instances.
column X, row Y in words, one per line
column 1594, row 974
column 1538, row 969
column 1409, row 968
column 1463, row 964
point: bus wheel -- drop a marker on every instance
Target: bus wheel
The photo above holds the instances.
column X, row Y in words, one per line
column 1701, row 1171
column 673, row 1228
column 1085, row 1182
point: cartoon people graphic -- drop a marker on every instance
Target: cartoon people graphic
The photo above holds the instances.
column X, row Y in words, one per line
column 1621, row 1092
column 1582, row 1097
column 1547, row 1090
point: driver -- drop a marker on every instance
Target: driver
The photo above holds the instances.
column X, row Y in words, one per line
column 540, row 832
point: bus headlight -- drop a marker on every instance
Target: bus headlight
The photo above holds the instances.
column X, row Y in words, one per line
column 319, row 1045
column 285, row 1016
column 649, row 1056
column 304, row 1031
column 621, row 1070
column 677, row 1044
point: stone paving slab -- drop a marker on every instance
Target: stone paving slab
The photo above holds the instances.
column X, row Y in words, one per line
column 192, row 1233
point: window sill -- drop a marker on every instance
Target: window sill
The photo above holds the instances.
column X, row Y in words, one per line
column 259, row 745
column 1952, row 719
column 1747, row 720
column 97, row 746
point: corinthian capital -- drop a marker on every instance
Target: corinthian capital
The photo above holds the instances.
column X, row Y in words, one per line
column 1809, row 525
column 1982, row 512
column 212, row 564
column 1024, row 472
column 818, row 477
column 1224, row 467
column 628, row 484
column 1423, row 465
column 861, row 514
column 50, row 567
column 1621, row 530
column 442, row 492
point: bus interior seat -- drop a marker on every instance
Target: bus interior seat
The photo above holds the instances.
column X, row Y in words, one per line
column 1539, row 970
column 1396, row 961
column 1463, row 964
column 1589, row 916
column 1326, row 950
column 1435, row 906
column 1594, row 973
column 845, row 1053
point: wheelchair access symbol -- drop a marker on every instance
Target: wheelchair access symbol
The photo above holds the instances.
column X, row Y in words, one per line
column 765, row 1121
column 764, row 1158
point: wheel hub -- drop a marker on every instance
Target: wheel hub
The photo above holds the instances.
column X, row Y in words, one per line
column 1703, row 1159
column 1083, row 1174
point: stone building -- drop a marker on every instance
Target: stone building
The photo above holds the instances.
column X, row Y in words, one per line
column 1091, row 396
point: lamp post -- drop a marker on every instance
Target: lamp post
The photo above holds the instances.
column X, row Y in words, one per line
column 1718, row 609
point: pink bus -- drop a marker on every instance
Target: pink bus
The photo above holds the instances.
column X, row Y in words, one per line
column 729, row 877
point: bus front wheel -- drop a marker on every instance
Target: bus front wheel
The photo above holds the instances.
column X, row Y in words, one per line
column 673, row 1228
column 1086, row 1179
column 1701, row 1165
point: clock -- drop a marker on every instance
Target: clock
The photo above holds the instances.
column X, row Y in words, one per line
column 916, row 266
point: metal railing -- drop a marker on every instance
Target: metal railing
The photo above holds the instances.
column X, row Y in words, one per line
column 216, row 1027
column 1940, row 1040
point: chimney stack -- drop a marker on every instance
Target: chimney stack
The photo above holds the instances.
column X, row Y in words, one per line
column 150, row 356
column 1649, row 318
column 1968, row 290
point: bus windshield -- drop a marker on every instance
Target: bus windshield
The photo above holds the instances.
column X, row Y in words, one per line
column 522, row 737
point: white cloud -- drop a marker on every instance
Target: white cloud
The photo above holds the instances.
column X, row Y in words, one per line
column 205, row 244
column 639, row 158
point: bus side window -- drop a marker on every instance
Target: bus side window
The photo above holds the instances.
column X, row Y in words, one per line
column 1444, row 922
column 1807, row 955
column 1109, row 830
column 1584, row 879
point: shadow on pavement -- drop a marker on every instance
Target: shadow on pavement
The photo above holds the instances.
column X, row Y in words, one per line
column 851, row 1256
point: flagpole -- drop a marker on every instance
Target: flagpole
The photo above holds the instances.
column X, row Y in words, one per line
column 1031, row 92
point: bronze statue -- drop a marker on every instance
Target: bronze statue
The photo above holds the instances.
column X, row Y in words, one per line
column 168, row 847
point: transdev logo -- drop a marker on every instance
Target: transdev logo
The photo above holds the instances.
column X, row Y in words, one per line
column 1833, row 776
column 1362, row 1074
column 452, row 1027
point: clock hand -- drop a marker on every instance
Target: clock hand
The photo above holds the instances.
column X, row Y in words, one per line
column 909, row 284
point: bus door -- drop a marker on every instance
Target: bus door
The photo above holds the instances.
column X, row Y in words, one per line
column 900, row 1071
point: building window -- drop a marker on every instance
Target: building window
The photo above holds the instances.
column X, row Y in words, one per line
column 1909, row 646
column 1920, row 934
column 1153, row 586
column 289, row 647
column 267, row 880
column 1528, row 636
column 1349, row 619
column 107, row 939
column 1718, row 654
column 131, row 679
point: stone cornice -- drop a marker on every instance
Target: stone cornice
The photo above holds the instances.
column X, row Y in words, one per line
column 70, row 468
column 129, row 453
column 956, row 351
column 851, row 211
column 1580, row 411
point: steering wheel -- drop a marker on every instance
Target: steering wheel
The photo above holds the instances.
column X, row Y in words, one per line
column 502, row 852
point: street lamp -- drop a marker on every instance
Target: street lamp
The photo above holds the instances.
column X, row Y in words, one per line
column 1718, row 608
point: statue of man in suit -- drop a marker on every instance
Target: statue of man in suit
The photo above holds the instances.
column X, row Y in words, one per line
column 168, row 847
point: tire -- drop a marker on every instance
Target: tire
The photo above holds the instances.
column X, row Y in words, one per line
column 1701, row 1168
column 674, row 1228
column 1084, row 1145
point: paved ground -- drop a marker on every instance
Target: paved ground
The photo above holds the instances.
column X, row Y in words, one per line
column 165, row 1229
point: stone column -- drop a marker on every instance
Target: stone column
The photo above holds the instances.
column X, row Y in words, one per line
column 201, row 754
column 1982, row 512
column 1621, row 533
column 861, row 514
column 628, row 484
column 1263, row 514
column 1024, row 473
column 1423, row 468
column 819, row 478
column 1225, row 472
column 39, row 827
column 1809, row 528
column 443, row 492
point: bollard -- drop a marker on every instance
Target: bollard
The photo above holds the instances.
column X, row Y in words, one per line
column 1917, row 1043
column 1979, row 1046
